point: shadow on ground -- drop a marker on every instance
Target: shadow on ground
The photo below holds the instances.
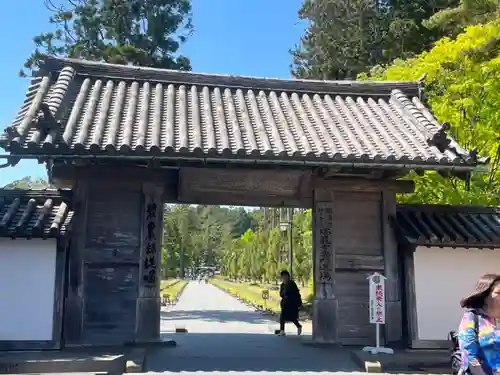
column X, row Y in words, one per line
column 217, row 316
column 246, row 352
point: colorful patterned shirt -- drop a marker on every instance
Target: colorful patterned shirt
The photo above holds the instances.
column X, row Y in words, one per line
column 482, row 347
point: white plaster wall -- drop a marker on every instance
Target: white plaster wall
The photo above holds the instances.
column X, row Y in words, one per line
column 442, row 277
column 27, row 281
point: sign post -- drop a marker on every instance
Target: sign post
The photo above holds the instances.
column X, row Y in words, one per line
column 377, row 311
column 265, row 297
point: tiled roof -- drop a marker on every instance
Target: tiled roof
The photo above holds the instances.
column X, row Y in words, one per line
column 34, row 213
column 454, row 226
column 80, row 108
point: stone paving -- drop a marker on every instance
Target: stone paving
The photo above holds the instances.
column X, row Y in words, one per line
column 224, row 335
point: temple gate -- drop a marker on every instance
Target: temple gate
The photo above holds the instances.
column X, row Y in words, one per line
column 128, row 139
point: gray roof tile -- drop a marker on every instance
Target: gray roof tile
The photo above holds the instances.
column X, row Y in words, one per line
column 34, row 213
column 97, row 108
column 453, row 226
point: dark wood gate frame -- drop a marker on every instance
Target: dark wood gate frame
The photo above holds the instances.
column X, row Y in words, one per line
column 164, row 136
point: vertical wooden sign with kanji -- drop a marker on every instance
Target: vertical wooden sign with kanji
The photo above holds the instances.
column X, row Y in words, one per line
column 325, row 255
column 149, row 302
column 151, row 242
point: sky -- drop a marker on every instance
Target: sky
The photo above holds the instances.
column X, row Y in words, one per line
column 230, row 37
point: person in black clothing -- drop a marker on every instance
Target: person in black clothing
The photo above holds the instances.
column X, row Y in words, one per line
column 290, row 303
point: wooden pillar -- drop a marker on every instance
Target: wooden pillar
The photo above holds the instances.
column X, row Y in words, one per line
column 392, row 269
column 325, row 306
column 352, row 238
column 113, row 291
column 73, row 304
column 148, row 303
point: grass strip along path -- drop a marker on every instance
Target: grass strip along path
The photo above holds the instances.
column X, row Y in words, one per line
column 252, row 294
column 172, row 288
column 249, row 294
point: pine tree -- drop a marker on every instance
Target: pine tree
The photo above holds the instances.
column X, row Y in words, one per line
column 136, row 32
column 345, row 38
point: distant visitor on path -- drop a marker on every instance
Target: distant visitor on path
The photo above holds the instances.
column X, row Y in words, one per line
column 290, row 303
column 479, row 332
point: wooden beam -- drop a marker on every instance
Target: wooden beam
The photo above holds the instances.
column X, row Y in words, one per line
column 329, row 172
column 410, row 294
column 393, row 328
column 113, row 173
column 360, row 184
column 267, row 182
column 359, row 262
column 66, row 176
column 305, row 191
column 239, row 199
column 377, row 173
column 74, row 301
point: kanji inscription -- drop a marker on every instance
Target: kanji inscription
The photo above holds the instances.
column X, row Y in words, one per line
column 324, row 223
column 150, row 262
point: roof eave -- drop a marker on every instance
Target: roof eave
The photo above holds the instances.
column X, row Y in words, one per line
column 56, row 194
column 33, row 237
column 30, row 154
column 465, row 245
column 413, row 242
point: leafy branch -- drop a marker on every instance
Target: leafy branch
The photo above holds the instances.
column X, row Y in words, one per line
column 137, row 32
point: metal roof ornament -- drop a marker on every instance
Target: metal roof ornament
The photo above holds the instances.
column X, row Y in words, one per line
column 473, row 155
column 440, row 139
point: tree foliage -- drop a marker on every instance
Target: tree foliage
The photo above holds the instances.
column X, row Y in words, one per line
column 136, row 32
column 260, row 254
column 463, row 88
column 401, row 40
column 241, row 243
column 198, row 234
column 452, row 21
column 345, row 38
column 29, row 183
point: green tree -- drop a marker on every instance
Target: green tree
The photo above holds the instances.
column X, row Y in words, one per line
column 272, row 255
column 260, row 254
column 407, row 32
column 302, row 241
column 345, row 38
column 202, row 236
column 28, row 183
column 463, row 87
column 137, row 32
column 171, row 251
column 452, row 21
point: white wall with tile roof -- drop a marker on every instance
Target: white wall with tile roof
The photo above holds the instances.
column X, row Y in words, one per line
column 27, row 282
